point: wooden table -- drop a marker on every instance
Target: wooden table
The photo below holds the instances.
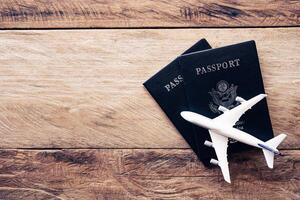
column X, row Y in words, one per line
column 76, row 122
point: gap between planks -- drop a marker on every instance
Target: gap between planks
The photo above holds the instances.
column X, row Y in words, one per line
column 153, row 27
column 104, row 148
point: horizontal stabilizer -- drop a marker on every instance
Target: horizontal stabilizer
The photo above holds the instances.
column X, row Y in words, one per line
column 269, row 156
column 274, row 142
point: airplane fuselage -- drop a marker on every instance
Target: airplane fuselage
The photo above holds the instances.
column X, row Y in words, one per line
column 239, row 135
column 244, row 137
column 232, row 132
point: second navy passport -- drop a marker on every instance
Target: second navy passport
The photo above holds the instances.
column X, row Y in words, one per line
column 167, row 88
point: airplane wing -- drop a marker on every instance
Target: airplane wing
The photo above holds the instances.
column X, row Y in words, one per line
column 220, row 144
column 230, row 117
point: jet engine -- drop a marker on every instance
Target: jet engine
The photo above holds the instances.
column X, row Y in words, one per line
column 222, row 108
column 240, row 99
column 208, row 143
column 214, row 161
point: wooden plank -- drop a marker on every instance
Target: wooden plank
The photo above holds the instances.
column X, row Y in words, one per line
column 158, row 13
column 83, row 89
column 143, row 174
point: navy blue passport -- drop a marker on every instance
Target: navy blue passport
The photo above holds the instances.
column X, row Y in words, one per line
column 167, row 88
column 216, row 77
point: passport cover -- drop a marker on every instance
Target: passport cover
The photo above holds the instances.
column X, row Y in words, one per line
column 167, row 88
column 216, row 77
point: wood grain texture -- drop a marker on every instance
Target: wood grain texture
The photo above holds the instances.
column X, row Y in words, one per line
column 83, row 89
column 143, row 174
column 158, row 13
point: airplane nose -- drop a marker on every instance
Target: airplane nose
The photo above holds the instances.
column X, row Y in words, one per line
column 186, row 115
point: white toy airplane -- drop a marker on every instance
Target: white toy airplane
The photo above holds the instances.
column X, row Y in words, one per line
column 221, row 128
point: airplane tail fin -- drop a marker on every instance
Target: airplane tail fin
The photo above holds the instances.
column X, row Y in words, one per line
column 273, row 143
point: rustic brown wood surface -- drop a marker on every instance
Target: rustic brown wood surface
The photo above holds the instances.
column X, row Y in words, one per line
column 158, row 13
column 83, row 89
column 142, row 174
column 76, row 122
